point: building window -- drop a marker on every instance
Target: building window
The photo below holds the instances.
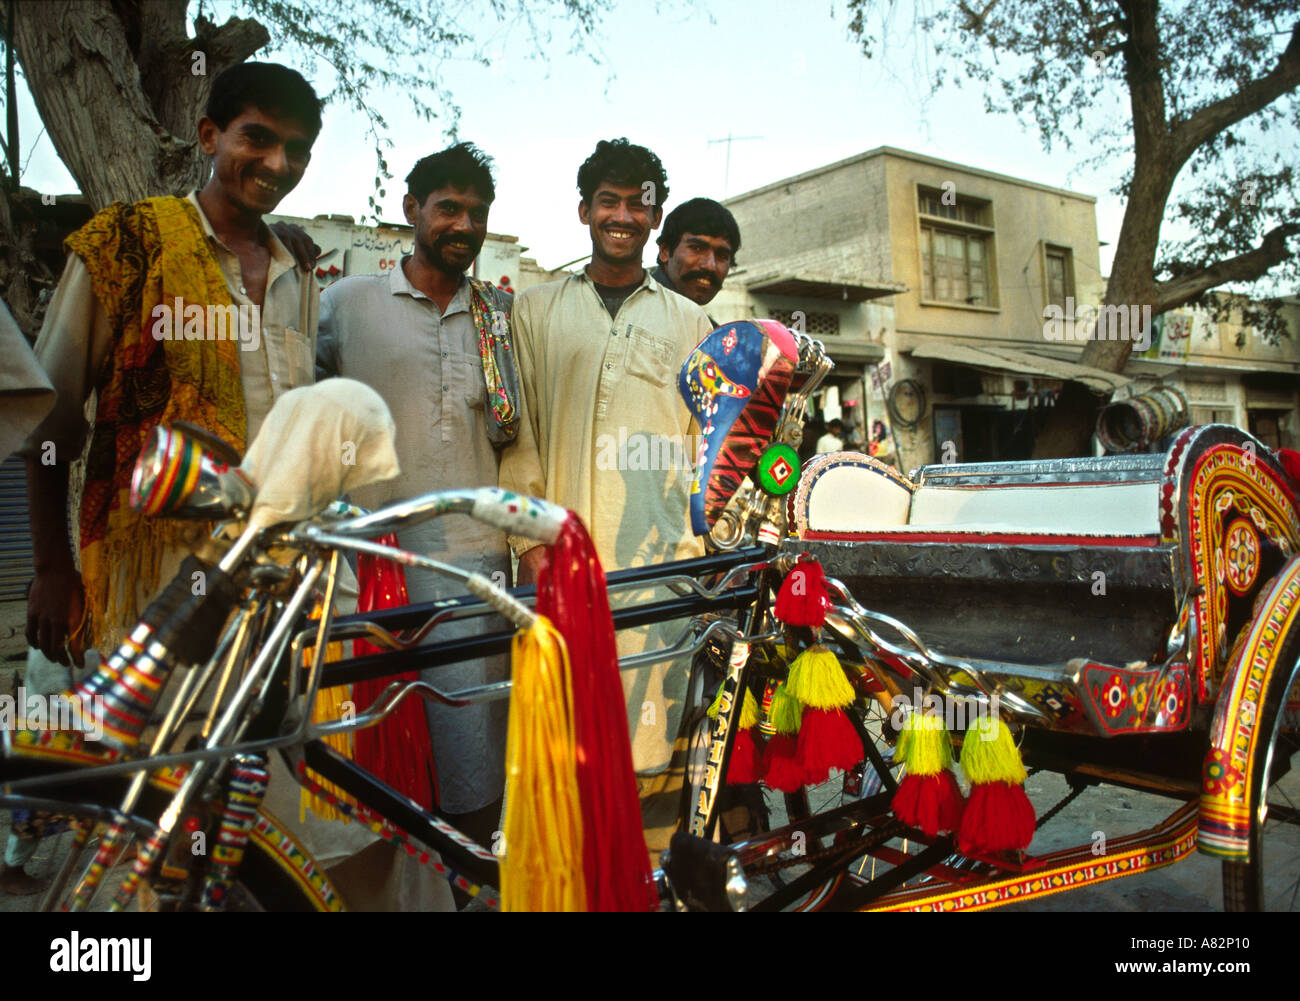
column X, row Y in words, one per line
column 956, row 249
column 1060, row 276
column 812, row 324
column 1211, row 415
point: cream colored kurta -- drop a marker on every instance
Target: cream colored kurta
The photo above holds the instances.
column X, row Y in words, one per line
column 605, row 433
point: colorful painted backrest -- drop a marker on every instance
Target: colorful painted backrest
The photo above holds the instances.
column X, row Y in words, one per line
column 734, row 384
column 1232, row 510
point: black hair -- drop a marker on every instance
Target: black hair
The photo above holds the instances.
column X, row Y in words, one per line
column 625, row 164
column 462, row 166
column 704, row 217
column 269, row 87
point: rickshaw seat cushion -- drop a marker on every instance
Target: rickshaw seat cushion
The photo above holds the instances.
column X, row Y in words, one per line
column 1109, row 509
column 851, row 493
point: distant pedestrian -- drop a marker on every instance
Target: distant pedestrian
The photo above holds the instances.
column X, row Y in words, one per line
column 833, row 439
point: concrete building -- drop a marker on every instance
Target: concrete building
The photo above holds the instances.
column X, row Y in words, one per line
column 1229, row 371
column 932, row 283
column 930, row 279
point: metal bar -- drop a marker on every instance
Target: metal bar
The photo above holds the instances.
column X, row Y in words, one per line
column 854, row 897
column 456, row 848
column 381, row 665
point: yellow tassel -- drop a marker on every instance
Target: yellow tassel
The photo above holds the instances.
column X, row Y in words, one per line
column 748, row 709
column 329, row 706
column 817, row 680
column 786, row 712
column 924, row 745
column 989, row 754
column 542, row 866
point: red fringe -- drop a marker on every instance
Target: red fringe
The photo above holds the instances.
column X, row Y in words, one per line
column 399, row 751
column 809, row 607
column 932, row 803
column 998, row 818
column 780, row 764
column 745, row 766
column 827, row 740
column 571, row 593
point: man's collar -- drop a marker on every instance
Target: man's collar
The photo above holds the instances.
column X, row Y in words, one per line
column 278, row 250
column 399, row 284
column 647, row 281
column 661, row 276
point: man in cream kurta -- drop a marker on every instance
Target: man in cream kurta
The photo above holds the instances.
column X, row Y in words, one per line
column 604, row 431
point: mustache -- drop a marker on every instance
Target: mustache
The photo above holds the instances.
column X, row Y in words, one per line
column 447, row 239
column 708, row 276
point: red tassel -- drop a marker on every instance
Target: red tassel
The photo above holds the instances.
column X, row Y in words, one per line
column 802, row 600
column 781, row 768
column 931, row 803
column 744, row 766
column 399, row 751
column 571, row 593
column 998, row 818
column 827, row 740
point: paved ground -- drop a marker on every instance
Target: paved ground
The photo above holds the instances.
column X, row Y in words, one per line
column 1192, row 884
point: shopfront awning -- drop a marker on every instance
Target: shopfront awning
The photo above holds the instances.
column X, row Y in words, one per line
column 1021, row 362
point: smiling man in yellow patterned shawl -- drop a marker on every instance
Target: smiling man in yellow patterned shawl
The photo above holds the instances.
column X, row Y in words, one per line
column 168, row 309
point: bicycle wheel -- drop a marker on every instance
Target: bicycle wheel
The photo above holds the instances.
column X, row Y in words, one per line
column 1270, row 881
column 272, row 877
column 840, row 791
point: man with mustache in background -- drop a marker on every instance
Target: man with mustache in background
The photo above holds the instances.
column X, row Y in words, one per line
column 417, row 334
column 697, row 247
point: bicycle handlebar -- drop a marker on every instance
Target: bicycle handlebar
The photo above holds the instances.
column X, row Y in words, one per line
column 511, row 512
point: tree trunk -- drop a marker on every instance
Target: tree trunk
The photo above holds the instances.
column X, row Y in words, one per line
column 1132, row 275
column 118, row 87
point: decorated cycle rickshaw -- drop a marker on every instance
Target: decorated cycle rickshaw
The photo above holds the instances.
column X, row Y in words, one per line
column 856, row 637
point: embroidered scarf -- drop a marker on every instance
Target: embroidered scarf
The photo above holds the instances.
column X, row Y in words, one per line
column 499, row 370
column 140, row 257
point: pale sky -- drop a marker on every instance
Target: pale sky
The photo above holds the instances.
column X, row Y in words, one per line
column 673, row 81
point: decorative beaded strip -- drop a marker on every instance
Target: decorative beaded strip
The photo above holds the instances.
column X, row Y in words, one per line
column 397, row 836
column 248, row 781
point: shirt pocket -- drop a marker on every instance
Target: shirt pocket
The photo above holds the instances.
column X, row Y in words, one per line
column 290, row 357
column 465, row 380
column 651, row 358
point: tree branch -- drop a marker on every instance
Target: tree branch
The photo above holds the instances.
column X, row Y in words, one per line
column 1212, row 119
column 231, row 43
column 1245, row 267
column 975, row 21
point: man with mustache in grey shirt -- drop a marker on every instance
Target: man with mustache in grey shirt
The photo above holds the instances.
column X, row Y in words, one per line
column 413, row 334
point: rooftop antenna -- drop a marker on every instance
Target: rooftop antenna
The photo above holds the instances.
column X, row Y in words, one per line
column 726, row 177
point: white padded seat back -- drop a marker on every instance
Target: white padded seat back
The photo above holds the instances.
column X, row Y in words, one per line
column 1065, row 509
column 850, row 492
